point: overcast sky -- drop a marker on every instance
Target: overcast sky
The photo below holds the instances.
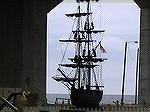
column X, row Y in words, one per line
column 121, row 24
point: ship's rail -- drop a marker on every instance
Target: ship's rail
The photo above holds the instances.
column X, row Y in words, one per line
column 108, row 108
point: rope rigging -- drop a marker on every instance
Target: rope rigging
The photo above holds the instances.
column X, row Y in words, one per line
column 85, row 55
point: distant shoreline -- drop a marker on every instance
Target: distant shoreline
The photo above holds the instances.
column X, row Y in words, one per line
column 107, row 99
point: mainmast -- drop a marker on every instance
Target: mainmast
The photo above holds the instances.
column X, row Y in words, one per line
column 88, row 35
column 79, row 47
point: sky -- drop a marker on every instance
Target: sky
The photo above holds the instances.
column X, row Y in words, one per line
column 121, row 23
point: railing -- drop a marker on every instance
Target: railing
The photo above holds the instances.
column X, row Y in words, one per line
column 67, row 109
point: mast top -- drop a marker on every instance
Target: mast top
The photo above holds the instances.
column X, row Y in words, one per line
column 86, row 0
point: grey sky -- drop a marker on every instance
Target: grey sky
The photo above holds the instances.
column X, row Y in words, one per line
column 121, row 22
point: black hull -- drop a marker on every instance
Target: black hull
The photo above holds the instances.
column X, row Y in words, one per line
column 85, row 98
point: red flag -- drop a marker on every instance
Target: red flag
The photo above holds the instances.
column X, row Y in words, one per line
column 102, row 48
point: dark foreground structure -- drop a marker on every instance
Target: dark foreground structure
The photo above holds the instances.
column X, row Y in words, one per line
column 144, row 60
column 23, row 47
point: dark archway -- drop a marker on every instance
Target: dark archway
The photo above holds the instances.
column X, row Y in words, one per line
column 23, row 46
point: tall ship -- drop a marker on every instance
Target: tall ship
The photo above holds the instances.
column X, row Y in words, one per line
column 82, row 73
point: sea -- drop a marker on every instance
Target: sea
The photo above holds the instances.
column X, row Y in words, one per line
column 107, row 99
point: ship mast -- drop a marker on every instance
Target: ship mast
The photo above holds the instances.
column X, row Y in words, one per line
column 88, row 47
column 89, row 35
column 79, row 47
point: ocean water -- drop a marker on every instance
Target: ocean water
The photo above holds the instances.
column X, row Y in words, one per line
column 107, row 99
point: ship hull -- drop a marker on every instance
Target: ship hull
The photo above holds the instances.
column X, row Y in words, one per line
column 85, row 98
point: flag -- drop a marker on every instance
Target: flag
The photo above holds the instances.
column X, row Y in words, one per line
column 102, row 48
